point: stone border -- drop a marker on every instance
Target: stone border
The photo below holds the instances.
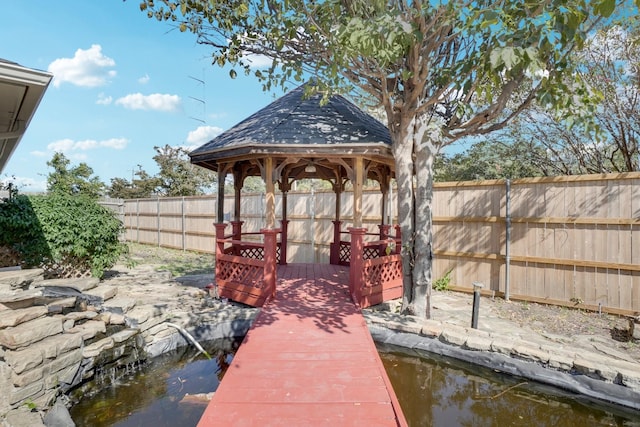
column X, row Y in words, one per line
column 585, row 373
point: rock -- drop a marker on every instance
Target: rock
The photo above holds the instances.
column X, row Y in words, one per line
column 140, row 315
column 93, row 350
column 80, row 315
column 23, row 417
column 103, row 292
column 58, row 416
column 89, row 329
column 20, row 299
column 80, row 284
column 10, row 318
column 30, row 332
column 119, row 305
column 21, row 278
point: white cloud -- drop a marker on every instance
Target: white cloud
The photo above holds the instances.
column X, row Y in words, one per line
column 88, row 68
column 26, row 184
column 257, row 61
column 155, row 101
column 201, row 135
column 144, row 79
column 39, row 153
column 67, row 145
column 104, row 100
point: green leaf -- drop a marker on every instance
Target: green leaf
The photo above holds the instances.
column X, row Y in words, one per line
column 233, row 74
column 605, row 8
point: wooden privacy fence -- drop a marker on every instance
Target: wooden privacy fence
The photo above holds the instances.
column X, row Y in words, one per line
column 564, row 240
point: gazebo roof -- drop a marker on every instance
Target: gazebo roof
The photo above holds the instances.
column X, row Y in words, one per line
column 297, row 126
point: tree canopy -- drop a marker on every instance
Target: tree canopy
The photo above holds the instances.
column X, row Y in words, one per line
column 441, row 70
column 176, row 177
column 72, row 180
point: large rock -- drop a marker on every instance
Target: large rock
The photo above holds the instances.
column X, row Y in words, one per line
column 30, row 332
column 89, row 329
column 21, row 278
column 48, row 348
column 9, row 318
column 80, row 284
column 17, row 299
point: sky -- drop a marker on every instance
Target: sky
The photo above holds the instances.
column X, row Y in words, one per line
column 123, row 83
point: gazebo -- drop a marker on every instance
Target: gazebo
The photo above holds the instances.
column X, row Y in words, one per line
column 293, row 138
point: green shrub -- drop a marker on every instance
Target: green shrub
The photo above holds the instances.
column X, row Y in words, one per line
column 62, row 229
column 442, row 284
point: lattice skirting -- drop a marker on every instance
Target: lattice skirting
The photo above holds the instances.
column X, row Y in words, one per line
column 67, row 269
column 9, row 257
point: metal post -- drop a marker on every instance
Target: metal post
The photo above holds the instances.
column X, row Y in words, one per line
column 507, row 249
column 477, row 286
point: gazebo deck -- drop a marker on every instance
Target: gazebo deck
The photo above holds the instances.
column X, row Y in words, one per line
column 307, row 360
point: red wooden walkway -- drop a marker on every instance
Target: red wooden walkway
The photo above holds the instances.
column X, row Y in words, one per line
column 308, row 360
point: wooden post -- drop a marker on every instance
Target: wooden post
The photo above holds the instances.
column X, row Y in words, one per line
column 398, row 238
column 270, row 193
column 357, row 192
column 221, row 178
column 356, row 266
column 284, row 224
column 385, row 230
column 236, row 231
column 334, row 249
column 270, row 239
column 220, row 226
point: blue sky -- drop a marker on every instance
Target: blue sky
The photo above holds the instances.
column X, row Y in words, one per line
column 122, row 84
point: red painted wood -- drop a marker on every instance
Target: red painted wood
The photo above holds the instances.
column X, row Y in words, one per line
column 308, row 360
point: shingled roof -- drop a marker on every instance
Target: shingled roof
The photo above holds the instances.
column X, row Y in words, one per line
column 294, row 123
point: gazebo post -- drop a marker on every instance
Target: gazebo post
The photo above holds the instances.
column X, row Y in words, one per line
column 221, row 177
column 334, row 248
column 270, row 261
column 357, row 192
column 270, row 192
column 356, row 266
column 284, row 222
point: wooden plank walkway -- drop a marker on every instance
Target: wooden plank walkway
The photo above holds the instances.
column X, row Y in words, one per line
column 308, row 360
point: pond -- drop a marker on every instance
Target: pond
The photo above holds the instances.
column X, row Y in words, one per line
column 439, row 391
column 433, row 391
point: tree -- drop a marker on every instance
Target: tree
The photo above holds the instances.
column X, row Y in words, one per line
column 76, row 180
column 488, row 159
column 608, row 64
column 177, row 176
column 440, row 70
column 143, row 186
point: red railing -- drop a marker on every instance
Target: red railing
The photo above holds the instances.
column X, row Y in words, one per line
column 246, row 271
column 375, row 269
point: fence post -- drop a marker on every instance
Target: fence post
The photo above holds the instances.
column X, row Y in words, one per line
column 507, row 243
column 270, row 238
column 158, row 217
column 356, row 267
column 184, row 226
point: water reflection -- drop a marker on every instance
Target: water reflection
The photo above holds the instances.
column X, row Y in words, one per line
column 168, row 391
column 435, row 391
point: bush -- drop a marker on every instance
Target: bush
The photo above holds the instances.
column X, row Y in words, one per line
column 62, row 229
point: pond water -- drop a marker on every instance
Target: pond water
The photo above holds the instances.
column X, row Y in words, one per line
column 433, row 391
column 438, row 391
column 167, row 391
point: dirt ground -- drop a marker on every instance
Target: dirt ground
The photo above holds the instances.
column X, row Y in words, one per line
column 569, row 322
column 562, row 321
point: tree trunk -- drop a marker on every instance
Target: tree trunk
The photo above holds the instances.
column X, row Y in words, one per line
column 414, row 158
column 425, row 150
column 402, row 152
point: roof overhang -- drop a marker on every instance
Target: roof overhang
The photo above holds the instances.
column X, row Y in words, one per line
column 21, row 90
